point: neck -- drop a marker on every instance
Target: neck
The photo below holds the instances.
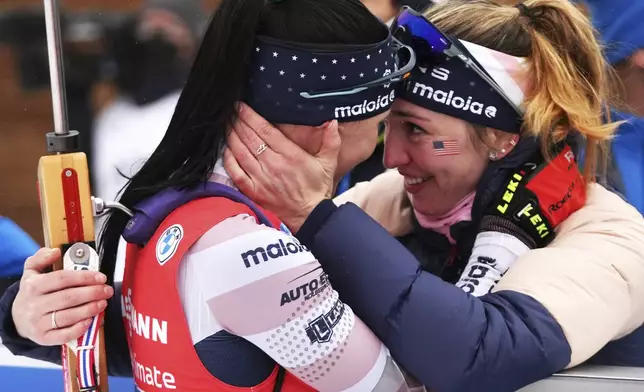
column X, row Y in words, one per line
column 461, row 212
column 220, row 175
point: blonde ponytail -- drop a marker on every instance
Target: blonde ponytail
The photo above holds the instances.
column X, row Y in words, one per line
column 570, row 89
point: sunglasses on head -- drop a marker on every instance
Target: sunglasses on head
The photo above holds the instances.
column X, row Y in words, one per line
column 428, row 42
column 398, row 75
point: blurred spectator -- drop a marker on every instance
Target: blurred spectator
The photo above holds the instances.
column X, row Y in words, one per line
column 619, row 23
column 15, row 247
column 153, row 52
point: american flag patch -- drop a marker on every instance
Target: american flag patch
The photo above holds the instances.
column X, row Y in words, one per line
column 446, row 147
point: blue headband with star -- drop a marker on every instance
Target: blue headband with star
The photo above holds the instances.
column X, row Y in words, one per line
column 299, row 84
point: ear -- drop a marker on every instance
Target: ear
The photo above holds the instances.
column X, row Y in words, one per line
column 500, row 143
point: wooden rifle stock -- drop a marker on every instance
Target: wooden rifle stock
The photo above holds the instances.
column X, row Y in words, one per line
column 68, row 217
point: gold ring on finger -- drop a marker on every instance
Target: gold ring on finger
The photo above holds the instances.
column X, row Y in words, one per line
column 263, row 147
column 53, row 320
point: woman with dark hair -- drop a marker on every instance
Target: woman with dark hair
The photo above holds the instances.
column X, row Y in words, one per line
column 217, row 294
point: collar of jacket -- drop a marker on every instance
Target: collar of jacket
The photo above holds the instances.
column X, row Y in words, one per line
column 497, row 172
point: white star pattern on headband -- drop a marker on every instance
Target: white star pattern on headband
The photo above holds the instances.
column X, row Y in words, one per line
column 286, row 74
column 279, row 69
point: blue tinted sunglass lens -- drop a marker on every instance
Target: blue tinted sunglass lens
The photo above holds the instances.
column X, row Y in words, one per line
column 419, row 27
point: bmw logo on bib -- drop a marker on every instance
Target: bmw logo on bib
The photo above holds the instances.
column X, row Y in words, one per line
column 168, row 243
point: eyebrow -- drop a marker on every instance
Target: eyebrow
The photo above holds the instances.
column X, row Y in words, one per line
column 407, row 114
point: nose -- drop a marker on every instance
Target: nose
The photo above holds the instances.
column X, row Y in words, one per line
column 395, row 154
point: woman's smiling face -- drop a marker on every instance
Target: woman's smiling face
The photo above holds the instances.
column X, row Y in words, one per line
column 441, row 157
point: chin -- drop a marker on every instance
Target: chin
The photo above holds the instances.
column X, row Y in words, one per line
column 429, row 205
column 431, row 211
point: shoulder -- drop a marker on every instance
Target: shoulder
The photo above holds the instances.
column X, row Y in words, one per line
column 231, row 228
column 592, row 274
column 112, row 112
column 239, row 251
column 384, row 199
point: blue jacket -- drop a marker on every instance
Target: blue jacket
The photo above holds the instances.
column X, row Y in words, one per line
column 15, row 247
column 447, row 339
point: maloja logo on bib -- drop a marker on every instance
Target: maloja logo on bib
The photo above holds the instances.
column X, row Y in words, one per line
column 168, row 243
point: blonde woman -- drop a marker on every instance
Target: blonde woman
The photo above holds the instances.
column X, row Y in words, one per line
column 556, row 306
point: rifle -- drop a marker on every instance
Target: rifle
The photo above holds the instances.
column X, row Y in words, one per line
column 68, row 216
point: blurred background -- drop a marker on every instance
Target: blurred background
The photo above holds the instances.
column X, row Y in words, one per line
column 125, row 64
column 100, row 44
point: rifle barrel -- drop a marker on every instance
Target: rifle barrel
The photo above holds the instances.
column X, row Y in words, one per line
column 56, row 67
